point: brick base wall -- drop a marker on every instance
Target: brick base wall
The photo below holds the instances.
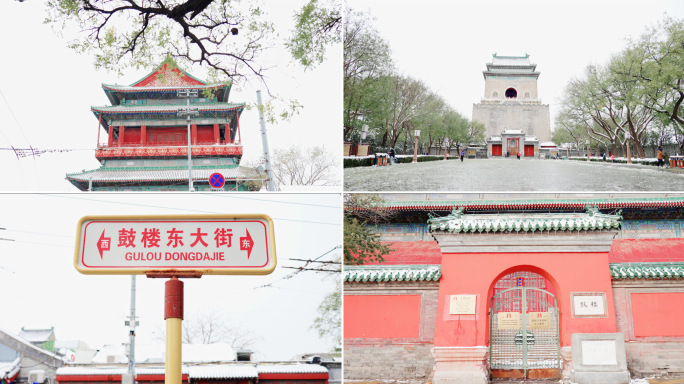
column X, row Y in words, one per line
column 647, row 356
column 659, row 358
column 409, row 363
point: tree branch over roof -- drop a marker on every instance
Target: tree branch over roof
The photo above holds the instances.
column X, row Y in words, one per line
column 227, row 36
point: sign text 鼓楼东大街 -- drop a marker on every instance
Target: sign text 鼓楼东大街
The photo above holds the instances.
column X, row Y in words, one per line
column 237, row 244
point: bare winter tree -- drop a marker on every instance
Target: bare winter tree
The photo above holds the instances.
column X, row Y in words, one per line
column 296, row 165
column 209, row 327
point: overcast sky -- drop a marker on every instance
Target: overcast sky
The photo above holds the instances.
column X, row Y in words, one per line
column 447, row 43
column 48, row 90
column 41, row 287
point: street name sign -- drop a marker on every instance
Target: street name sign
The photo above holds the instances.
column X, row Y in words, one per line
column 201, row 244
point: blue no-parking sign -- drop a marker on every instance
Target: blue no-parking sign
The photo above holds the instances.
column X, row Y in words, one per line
column 216, row 180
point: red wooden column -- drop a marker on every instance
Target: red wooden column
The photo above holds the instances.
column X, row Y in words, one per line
column 237, row 118
column 110, row 139
column 217, row 136
column 99, row 125
column 143, row 135
column 193, row 134
column 122, row 131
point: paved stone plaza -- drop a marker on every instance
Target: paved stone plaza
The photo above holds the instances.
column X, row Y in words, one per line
column 512, row 175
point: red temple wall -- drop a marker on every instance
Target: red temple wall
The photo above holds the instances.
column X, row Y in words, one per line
column 621, row 251
column 658, row 314
column 382, row 316
column 476, row 274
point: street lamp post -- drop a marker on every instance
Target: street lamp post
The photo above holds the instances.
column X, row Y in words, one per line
column 629, row 155
column 416, row 134
column 587, row 150
column 364, row 132
column 188, row 112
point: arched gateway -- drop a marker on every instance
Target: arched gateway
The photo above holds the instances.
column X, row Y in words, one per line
column 498, row 310
column 522, row 304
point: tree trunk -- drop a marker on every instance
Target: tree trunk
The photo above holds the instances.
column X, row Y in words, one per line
column 639, row 149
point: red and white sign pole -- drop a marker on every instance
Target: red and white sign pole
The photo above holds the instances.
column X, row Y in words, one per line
column 174, row 247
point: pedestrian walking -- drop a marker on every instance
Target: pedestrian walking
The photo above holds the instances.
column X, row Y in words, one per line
column 612, row 158
column 661, row 157
column 518, row 155
column 604, row 156
column 462, row 154
column 391, row 155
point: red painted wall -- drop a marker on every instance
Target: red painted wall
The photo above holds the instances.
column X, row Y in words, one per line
column 646, row 250
column 381, row 316
column 132, row 136
column 658, row 314
column 412, row 252
column 205, row 135
column 476, row 273
column 167, row 135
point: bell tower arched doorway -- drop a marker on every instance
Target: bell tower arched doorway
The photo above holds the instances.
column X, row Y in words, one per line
column 524, row 328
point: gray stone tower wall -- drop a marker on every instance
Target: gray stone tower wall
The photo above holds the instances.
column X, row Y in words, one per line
column 533, row 119
column 524, row 112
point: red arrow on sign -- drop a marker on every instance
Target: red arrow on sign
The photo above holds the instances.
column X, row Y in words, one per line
column 246, row 244
column 104, row 243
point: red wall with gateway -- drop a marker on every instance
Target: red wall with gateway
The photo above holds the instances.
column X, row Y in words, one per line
column 657, row 314
column 476, row 274
column 381, row 316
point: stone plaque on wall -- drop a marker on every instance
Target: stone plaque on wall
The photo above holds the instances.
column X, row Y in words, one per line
column 462, row 304
column 599, row 358
column 599, row 352
column 589, row 304
column 539, row 320
column 508, row 320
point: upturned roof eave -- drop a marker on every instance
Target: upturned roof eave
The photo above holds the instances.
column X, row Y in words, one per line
column 114, row 91
column 486, row 74
column 239, row 107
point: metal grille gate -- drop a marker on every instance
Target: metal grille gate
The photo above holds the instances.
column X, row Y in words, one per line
column 524, row 334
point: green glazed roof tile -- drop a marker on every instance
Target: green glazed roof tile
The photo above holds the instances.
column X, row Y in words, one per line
column 382, row 273
column 459, row 222
column 622, row 271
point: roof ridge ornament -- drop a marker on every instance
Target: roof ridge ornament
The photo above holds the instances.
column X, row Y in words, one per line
column 457, row 221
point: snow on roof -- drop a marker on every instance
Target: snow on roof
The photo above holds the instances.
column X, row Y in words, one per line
column 511, row 60
column 223, row 371
column 10, row 368
column 36, row 335
column 157, row 174
column 291, row 368
column 29, row 345
column 96, row 371
column 547, row 144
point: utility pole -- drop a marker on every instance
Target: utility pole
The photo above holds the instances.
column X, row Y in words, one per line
column 264, row 142
column 132, row 323
column 187, row 94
